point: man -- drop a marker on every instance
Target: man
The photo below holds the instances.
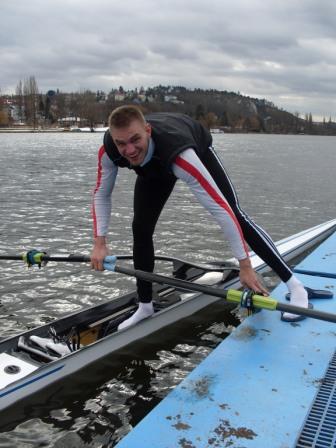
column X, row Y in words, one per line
column 162, row 148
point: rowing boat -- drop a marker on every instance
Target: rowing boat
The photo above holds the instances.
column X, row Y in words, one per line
column 33, row 360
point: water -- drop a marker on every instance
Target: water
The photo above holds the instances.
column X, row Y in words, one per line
column 286, row 183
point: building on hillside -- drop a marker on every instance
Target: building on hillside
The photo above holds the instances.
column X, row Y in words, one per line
column 72, row 121
column 172, row 99
column 118, row 96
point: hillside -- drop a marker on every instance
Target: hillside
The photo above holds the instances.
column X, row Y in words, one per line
column 229, row 111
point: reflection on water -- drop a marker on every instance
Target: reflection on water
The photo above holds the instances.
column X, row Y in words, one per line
column 285, row 182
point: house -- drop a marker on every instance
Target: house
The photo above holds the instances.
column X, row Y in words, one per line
column 172, row 99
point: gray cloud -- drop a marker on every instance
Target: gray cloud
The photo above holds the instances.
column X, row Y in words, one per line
column 281, row 50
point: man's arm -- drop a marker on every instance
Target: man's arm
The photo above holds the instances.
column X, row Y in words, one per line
column 189, row 168
column 101, row 207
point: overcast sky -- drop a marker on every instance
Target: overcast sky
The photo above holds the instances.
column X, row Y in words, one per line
column 281, row 50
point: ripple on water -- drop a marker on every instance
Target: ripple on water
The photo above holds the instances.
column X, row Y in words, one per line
column 99, row 405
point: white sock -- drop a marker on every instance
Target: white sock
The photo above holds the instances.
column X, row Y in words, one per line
column 298, row 295
column 144, row 310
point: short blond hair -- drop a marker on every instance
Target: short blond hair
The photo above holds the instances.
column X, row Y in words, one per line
column 122, row 116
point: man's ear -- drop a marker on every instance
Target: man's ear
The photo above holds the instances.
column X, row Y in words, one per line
column 148, row 128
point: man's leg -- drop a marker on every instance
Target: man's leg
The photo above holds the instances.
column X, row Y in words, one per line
column 258, row 240
column 150, row 196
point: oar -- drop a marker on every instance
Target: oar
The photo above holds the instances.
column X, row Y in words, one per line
column 230, row 295
column 37, row 257
column 40, row 257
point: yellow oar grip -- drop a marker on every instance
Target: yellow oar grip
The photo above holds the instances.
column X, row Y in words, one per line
column 267, row 303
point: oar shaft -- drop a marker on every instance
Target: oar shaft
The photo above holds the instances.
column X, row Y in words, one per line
column 11, row 257
column 71, row 258
column 228, row 295
column 315, row 314
column 66, row 258
column 177, row 283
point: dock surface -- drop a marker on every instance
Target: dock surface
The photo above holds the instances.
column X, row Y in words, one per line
column 257, row 387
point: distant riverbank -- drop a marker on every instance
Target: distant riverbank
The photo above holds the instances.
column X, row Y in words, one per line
column 48, row 130
column 101, row 130
column 29, row 130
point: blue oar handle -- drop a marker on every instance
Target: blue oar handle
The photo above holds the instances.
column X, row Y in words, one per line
column 110, row 262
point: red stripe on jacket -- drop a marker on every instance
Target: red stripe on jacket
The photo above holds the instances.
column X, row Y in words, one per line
column 193, row 171
column 101, row 152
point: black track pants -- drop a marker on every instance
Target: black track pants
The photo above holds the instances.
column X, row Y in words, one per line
column 150, row 195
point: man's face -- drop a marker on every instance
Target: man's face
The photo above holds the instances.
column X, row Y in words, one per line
column 132, row 141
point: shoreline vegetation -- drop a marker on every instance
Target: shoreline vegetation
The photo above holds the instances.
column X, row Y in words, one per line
column 29, row 110
column 79, row 131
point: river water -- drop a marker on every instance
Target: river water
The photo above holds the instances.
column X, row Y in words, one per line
column 286, row 183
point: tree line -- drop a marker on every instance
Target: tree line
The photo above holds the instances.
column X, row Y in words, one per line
column 229, row 111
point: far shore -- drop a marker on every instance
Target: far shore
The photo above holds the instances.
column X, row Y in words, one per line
column 89, row 130
column 49, row 130
column 25, row 130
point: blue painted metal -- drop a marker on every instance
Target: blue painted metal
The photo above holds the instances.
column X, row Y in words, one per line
column 319, row 430
column 322, row 262
column 256, row 387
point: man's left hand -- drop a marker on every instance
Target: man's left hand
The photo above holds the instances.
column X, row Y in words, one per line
column 249, row 278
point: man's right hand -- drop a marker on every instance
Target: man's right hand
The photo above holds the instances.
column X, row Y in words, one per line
column 99, row 252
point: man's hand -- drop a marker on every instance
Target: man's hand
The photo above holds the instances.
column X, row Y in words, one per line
column 99, row 252
column 249, row 278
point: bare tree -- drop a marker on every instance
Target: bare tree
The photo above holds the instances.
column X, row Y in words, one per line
column 30, row 91
column 3, row 114
column 84, row 105
column 20, row 101
column 209, row 120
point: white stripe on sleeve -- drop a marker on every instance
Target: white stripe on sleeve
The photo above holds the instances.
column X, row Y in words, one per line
column 102, row 195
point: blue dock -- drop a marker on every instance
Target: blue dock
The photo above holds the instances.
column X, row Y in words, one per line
column 263, row 386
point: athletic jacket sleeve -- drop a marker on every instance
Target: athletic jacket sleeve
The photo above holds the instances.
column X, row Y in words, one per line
column 188, row 167
column 102, row 195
